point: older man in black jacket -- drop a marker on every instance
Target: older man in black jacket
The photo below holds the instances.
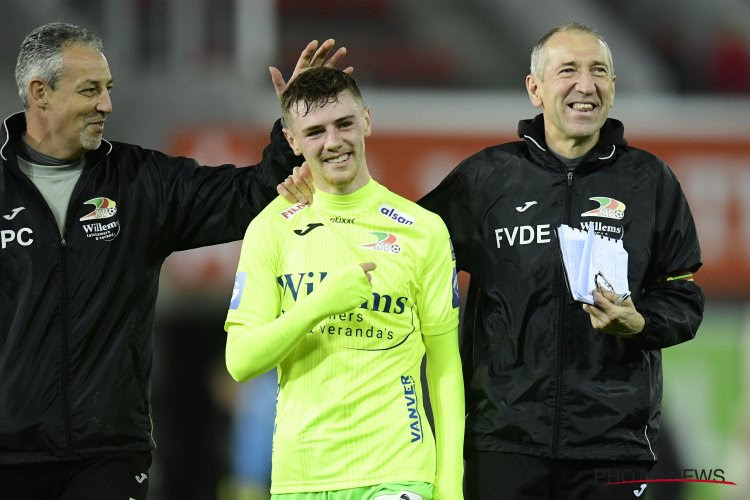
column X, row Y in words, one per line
column 564, row 398
column 86, row 225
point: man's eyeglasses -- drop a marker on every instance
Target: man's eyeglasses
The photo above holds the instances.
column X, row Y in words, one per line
column 603, row 285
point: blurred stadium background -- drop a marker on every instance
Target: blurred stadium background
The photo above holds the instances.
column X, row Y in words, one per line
column 444, row 79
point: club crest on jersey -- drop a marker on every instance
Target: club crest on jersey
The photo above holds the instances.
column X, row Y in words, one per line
column 608, row 207
column 386, row 242
column 395, row 215
column 104, row 209
column 292, row 211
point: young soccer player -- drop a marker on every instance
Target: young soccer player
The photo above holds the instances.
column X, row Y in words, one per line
column 345, row 297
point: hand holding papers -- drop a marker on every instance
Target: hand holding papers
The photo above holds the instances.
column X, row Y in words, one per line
column 590, row 261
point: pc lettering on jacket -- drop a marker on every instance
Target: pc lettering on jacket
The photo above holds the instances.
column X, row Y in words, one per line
column 22, row 237
column 522, row 235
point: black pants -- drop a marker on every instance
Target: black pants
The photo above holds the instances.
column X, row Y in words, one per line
column 117, row 476
column 510, row 476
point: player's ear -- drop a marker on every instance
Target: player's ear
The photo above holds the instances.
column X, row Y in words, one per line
column 368, row 122
column 290, row 139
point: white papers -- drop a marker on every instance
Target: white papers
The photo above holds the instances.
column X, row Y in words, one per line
column 585, row 254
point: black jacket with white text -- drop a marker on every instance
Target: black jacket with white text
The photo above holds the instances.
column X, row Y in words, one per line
column 76, row 312
column 540, row 380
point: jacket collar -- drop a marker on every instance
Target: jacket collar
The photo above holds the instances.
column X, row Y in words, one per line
column 15, row 125
column 611, row 135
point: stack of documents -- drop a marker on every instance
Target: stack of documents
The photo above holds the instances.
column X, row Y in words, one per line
column 586, row 254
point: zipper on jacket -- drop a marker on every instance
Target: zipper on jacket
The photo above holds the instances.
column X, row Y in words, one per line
column 562, row 324
column 65, row 305
column 64, row 348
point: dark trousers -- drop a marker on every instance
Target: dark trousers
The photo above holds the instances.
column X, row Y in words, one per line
column 116, row 476
column 510, row 476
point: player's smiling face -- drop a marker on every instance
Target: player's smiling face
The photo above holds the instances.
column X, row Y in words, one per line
column 332, row 140
column 576, row 92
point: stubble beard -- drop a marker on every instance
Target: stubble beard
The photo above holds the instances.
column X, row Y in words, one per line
column 338, row 180
column 90, row 143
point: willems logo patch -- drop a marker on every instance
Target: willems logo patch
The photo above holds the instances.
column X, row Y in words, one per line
column 105, row 208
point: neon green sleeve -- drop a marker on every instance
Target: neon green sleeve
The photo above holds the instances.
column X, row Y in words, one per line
column 437, row 292
column 445, row 384
column 438, row 299
column 258, row 337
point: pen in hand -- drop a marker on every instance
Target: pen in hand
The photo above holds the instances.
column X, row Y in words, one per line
column 622, row 298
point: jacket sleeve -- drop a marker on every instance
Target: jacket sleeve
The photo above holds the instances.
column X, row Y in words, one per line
column 453, row 200
column 199, row 205
column 671, row 303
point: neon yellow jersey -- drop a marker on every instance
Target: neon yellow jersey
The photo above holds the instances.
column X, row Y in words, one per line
column 349, row 411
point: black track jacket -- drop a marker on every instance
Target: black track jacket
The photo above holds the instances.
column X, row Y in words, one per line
column 76, row 312
column 540, row 380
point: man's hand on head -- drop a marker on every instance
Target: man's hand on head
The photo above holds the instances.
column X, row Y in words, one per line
column 621, row 319
column 298, row 187
column 311, row 57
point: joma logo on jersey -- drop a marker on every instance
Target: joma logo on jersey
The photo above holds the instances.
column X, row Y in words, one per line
column 295, row 283
column 393, row 214
column 608, row 207
column 523, row 235
column 412, row 408
column 22, row 237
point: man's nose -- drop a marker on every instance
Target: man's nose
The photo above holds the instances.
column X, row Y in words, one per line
column 585, row 83
column 104, row 104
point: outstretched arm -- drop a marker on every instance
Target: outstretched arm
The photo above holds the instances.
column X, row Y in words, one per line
column 445, row 384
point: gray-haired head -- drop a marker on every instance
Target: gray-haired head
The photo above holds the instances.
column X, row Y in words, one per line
column 41, row 54
column 537, row 53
